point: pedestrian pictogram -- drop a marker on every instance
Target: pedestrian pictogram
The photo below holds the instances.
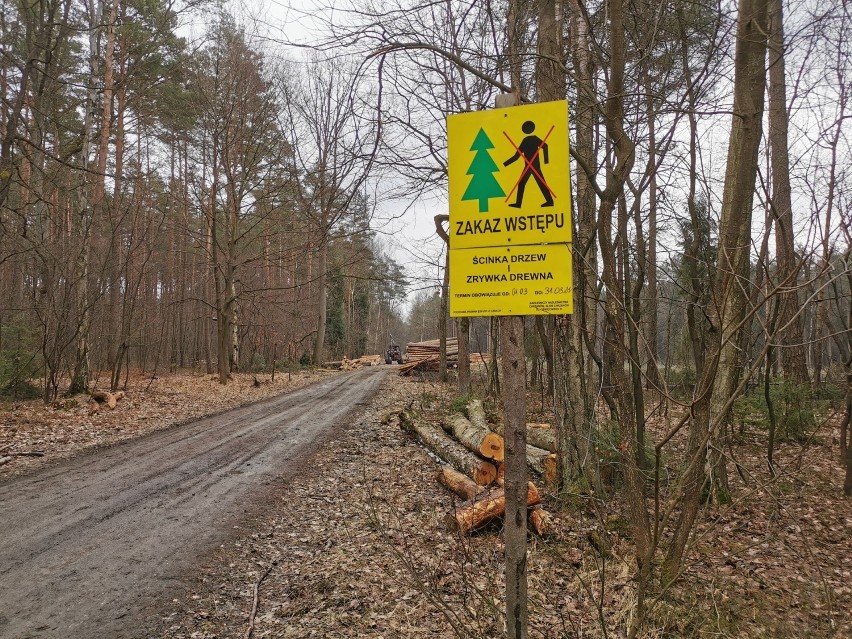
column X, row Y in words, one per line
column 483, row 185
column 509, row 176
column 533, row 150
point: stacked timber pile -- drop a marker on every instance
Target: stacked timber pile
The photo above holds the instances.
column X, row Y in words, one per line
column 426, row 356
column 474, row 456
column 432, row 348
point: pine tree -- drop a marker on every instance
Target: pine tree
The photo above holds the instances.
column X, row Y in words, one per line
column 483, row 185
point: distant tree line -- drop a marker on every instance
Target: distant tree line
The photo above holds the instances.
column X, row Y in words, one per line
column 167, row 204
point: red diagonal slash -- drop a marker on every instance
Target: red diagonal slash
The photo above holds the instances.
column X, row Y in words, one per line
column 529, row 166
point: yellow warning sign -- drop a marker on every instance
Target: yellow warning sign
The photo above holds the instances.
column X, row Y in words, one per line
column 509, row 176
column 511, row 280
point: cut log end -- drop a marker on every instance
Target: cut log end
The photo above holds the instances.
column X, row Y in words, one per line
column 493, row 447
column 484, row 474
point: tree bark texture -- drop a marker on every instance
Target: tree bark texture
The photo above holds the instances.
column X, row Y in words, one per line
column 574, row 371
column 464, row 355
column 541, row 436
column 476, row 414
column 476, row 438
column 459, row 483
column 616, row 352
column 515, row 529
column 790, row 335
column 444, row 316
column 322, row 294
column 725, row 312
column 438, row 442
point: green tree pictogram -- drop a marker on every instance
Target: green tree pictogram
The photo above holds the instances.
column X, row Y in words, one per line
column 483, row 185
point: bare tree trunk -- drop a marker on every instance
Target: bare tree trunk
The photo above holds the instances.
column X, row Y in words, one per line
column 514, row 433
column 322, row 296
column 617, row 353
column 442, row 319
column 464, row 355
column 551, row 84
column 634, row 327
column 694, row 246
column 846, row 447
column 726, row 310
column 575, row 343
column 218, row 274
column 542, row 325
column 651, row 331
column 493, row 369
column 514, row 409
column 790, row 336
column 115, row 252
column 234, row 337
column 80, row 376
column 845, row 444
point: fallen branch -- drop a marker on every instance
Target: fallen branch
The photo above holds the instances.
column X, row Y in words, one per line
column 255, row 602
column 9, row 456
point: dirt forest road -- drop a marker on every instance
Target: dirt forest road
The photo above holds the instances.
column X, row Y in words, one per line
column 89, row 547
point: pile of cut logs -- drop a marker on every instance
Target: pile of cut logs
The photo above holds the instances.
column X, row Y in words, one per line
column 426, row 356
column 473, row 450
column 432, row 348
column 347, row 364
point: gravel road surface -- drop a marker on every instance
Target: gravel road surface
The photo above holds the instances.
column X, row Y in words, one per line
column 89, row 547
